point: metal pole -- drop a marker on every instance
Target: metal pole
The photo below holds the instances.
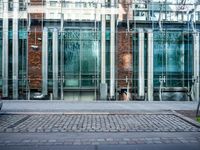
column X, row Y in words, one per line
column 196, row 63
column 103, row 85
column 112, row 52
column 55, row 63
column 141, row 63
column 15, row 48
column 5, row 50
column 45, row 62
column 62, row 56
column 150, row 64
column 103, row 49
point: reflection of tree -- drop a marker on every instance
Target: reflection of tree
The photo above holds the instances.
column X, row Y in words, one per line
column 72, row 55
column 175, row 54
column 170, row 45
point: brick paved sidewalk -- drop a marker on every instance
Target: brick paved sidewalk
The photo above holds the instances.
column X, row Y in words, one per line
column 96, row 129
column 95, row 123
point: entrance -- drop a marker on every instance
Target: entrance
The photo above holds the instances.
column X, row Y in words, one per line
column 79, row 64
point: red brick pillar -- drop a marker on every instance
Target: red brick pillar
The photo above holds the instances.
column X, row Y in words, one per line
column 125, row 62
column 35, row 47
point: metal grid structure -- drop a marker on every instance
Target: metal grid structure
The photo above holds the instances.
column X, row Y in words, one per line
column 99, row 49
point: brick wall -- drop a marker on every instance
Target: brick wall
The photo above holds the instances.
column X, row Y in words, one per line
column 37, row 2
column 124, row 59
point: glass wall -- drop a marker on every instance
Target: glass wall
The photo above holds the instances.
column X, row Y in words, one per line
column 22, row 56
column 1, row 41
column 77, row 60
column 72, row 45
column 172, row 58
column 81, row 57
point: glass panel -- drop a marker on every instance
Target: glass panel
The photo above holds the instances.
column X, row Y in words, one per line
column 71, row 57
column 188, row 58
column 108, row 57
column 135, row 62
column 1, row 57
column 172, row 56
column 174, row 59
column 89, row 51
column 159, row 59
column 50, row 63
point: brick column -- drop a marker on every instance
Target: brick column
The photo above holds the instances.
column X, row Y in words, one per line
column 124, row 63
column 35, row 52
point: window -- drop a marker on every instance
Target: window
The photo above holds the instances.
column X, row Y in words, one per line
column 53, row 3
column 66, row 4
column 22, row 5
column 52, row 15
column 10, row 5
column 84, row 5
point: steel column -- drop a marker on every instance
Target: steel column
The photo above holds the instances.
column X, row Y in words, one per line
column 45, row 62
column 103, row 49
column 15, row 49
column 141, row 63
column 103, row 85
column 150, row 65
column 112, row 52
column 5, row 50
column 196, row 63
column 55, row 63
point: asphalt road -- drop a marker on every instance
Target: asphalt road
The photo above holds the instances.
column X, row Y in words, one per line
column 108, row 147
column 111, row 141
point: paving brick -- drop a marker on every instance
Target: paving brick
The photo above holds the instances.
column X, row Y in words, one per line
column 94, row 123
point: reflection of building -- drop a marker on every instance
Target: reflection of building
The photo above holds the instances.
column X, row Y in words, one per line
column 99, row 49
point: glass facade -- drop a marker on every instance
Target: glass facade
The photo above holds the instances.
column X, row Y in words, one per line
column 153, row 52
column 172, row 58
column 1, row 42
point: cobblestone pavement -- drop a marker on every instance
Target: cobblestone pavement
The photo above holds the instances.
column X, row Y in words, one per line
column 94, row 123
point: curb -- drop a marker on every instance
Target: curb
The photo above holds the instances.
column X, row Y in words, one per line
column 193, row 122
column 88, row 112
